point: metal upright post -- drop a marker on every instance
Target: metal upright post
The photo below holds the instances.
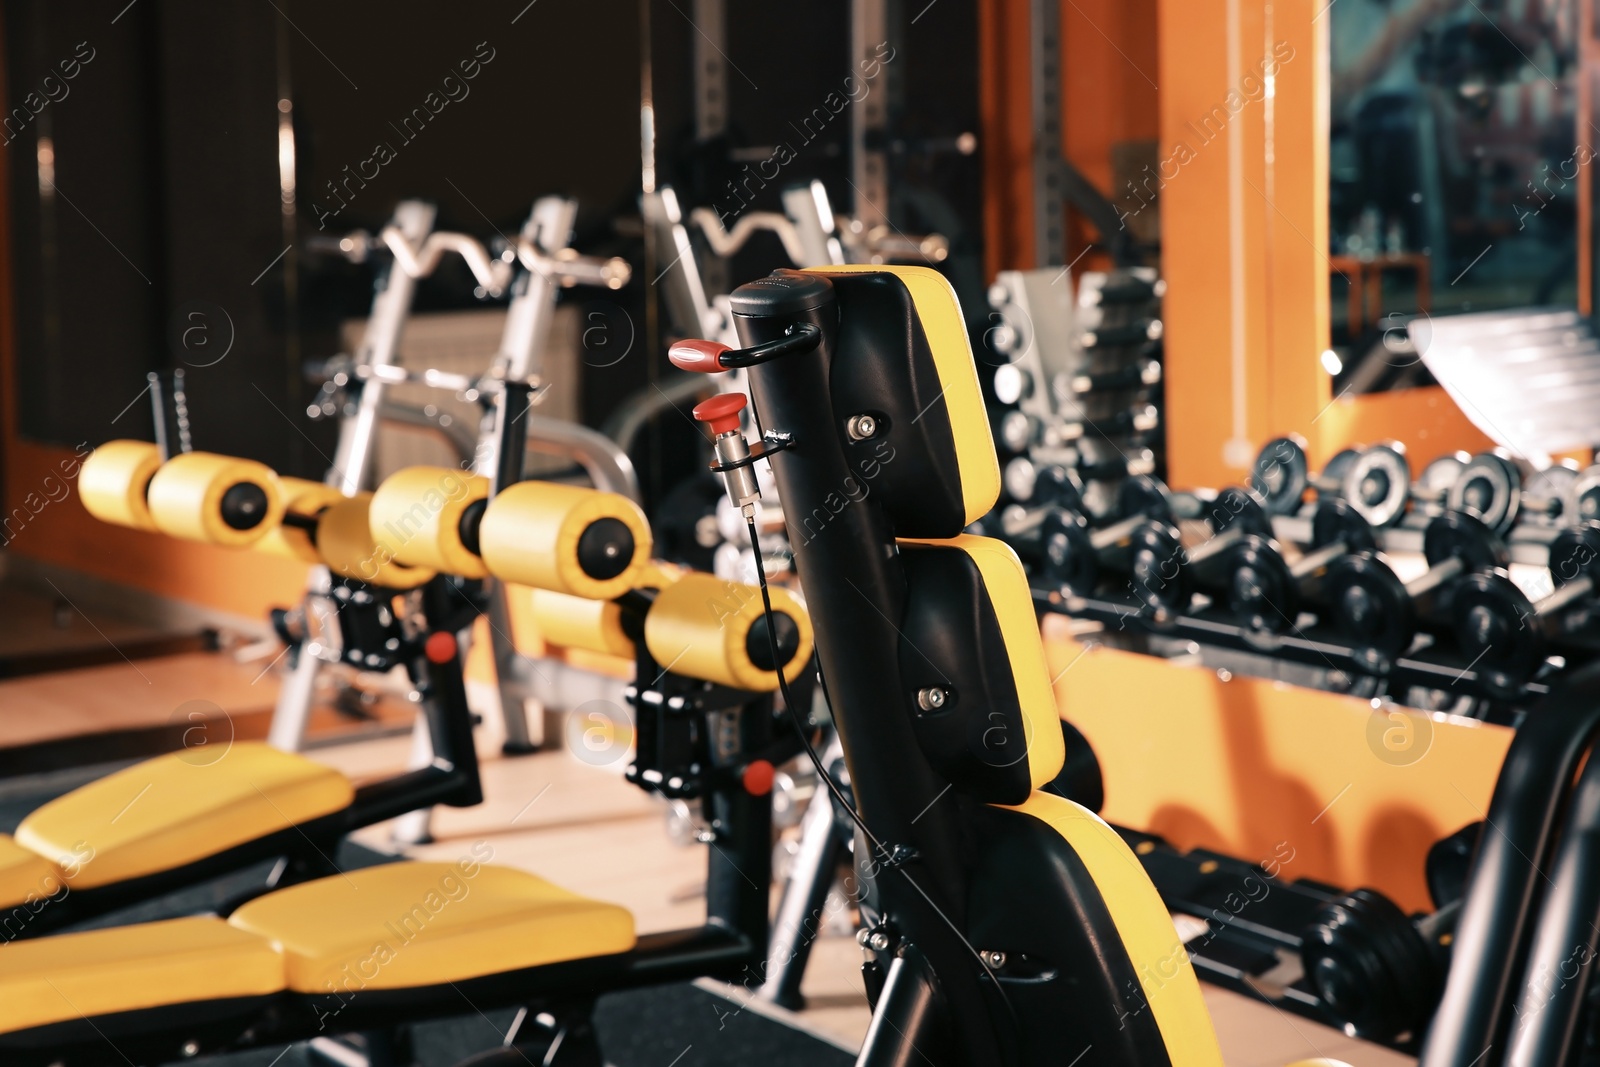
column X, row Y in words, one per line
column 500, row 459
column 1049, row 223
column 379, row 347
column 869, row 117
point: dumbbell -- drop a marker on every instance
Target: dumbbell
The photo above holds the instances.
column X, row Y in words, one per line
column 1379, row 614
column 1502, row 633
column 1490, row 488
column 1265, row 591
column 1141, row 418
column 1144, row 332
column 1431, row 491
column 1376, row 480
column 1125, row 291
column 1074, row 555
column 1144, row 372
column 1165, row 575
column 1583, row 498
column 1027, row 482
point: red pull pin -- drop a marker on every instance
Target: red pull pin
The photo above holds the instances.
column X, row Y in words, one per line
column 721, row 411
column 698, row 355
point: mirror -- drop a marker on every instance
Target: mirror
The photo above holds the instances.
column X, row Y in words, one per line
column 1454, row 165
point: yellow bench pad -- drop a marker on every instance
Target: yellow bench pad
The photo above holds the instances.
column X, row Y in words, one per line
column 25, row 878
column 177, row 809
column 101, row 972
column 419, row 924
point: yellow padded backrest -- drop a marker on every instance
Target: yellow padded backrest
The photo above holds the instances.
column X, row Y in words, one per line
column 946, row 331
column 1006, row 584
column 1166, row 977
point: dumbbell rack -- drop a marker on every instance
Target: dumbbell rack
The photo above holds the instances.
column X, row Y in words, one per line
column 1344, row 665
column 1079, row 382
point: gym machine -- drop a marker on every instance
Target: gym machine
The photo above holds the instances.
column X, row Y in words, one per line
column 409, row 537
column 533, row 268
column 297, row 964
column 987, row 935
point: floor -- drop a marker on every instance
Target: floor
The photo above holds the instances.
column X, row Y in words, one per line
column 585, row 828
column 579, row 825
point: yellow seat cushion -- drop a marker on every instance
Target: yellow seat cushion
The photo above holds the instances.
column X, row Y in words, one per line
column 418, row 924
column 126, row 968
column 25, row 877
column 179, row 808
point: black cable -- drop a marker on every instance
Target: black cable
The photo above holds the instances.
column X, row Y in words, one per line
column 833, row 787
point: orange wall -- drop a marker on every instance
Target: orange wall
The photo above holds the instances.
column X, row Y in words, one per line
column 1245, row 252
column 1108, row 86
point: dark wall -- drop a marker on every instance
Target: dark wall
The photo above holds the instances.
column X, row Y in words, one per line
column 166, row 202
column 167, row 242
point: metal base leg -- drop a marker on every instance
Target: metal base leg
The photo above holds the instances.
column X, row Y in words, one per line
column 292, row 715
column 801, row 912
column 508, row 676
column 908, row 1027
column 416, row 827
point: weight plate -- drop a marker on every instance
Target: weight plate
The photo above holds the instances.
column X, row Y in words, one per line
column 1280, row 475
column 1261, row 592
column 1237, row 505
column 1332, row 476
column 1545, row 495
column 1069, row 557
column 1457, row 535
column 1016, row 431
column 1583, row 498
column 1497, row 631
column 1369, row 966
column 1159, row 575
column 1340, row 520
column 1012, row 384
column 1144, row 495
column 1370, row 608
column 1575, row 553
column 1438, row 476
column 1378, row 484
column 1059, row 486
column 1490, row 488
column 1019, row 478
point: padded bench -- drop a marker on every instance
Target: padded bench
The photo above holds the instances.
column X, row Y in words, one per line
column 398, row 926
column 162, row 814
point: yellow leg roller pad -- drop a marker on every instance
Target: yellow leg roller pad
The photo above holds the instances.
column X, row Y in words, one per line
column 416, row 515
column 220, row 500
column 421, row 924
column 180, row 808
column 700, row 626
column 129, row 968
column 546, row 536
column 113, row 481
column 346, row 544
column 575, row 622
column 305, row 500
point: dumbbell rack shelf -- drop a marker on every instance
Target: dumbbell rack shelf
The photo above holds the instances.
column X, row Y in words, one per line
column 1310, row 648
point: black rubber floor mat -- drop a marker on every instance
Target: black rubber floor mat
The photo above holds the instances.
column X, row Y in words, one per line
column 667, row 1026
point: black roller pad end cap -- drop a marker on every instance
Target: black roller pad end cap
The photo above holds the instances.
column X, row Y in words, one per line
column 605, row 549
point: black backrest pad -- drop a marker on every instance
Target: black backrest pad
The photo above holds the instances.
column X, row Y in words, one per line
column 885, row 368
column 951, row 643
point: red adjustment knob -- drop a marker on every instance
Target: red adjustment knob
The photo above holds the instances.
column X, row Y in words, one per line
column 721, row 411
column 440, row 647
column 697, row 355
column 757, row 777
